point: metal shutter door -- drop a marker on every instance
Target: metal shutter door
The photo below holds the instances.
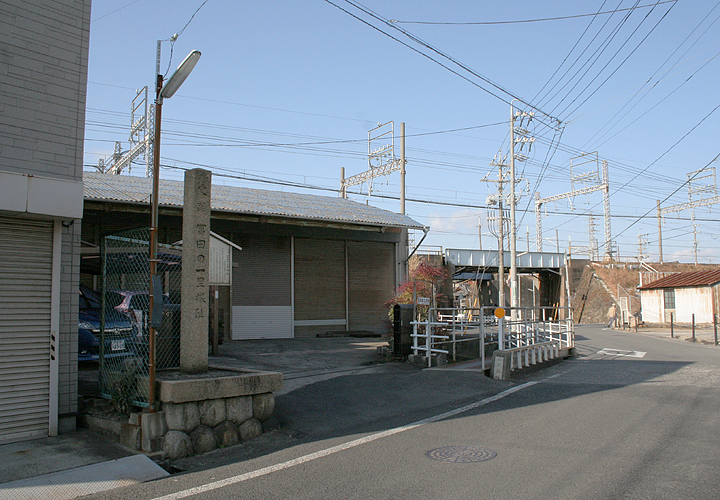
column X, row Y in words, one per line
column 25, row 289
column 262, row 282
column 371, row 283
column 319, row 286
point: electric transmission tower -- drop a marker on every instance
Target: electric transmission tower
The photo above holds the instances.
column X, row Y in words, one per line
column 702, row 192
column 141, row 138
column 381, row 160
column 582, row 183
column 593, row 252
column 642, row 241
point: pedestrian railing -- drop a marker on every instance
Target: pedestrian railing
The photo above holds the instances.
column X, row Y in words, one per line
column 530, row 335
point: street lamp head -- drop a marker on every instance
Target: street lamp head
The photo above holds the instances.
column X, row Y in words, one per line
column 181, row 73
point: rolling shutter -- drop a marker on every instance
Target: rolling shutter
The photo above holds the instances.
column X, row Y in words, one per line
column 319, row 286
column 25, row 290
column 262, row 282
column 371, row 283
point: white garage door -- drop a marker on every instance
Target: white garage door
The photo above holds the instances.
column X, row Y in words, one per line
column 25, row 291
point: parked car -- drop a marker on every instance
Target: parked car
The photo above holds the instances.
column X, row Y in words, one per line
column 135, row 304
column 120, row 334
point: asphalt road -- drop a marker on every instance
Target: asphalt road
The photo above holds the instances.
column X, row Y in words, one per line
column 631, row 417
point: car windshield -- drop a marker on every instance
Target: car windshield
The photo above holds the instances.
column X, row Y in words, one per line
column 88, row 299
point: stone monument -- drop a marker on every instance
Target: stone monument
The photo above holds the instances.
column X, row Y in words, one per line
column 195, row 272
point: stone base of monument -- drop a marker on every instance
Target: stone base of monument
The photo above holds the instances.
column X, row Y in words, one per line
column 198, row 413
column 202, row 412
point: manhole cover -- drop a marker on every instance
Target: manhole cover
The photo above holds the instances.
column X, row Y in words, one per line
column 461, row 454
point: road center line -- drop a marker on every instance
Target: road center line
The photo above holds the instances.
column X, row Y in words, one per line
column 341, row 447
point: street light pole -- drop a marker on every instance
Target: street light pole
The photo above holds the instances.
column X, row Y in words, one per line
column 154, row 218
column 161, row 91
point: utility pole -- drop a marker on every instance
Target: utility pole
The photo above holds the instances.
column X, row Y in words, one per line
column 659, row 217
column 497, row 199
column 501, row 244
column 695, row 240
column 557, row 241
column 513, row 247
column 480, row 230
column 527, row 236
column 343, row 188
column 402, row 168
column 592, row 242
column 523, row 139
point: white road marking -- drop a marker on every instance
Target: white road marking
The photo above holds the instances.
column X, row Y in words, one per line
column 622, row 352
column 341, row 447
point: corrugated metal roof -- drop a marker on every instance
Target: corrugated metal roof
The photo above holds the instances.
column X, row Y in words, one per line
column 681, row 280
column 136, row 190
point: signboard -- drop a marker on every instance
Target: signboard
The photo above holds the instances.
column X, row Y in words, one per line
column 220, row 253
column 423, row 301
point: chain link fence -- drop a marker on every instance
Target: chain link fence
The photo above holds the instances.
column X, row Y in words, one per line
column 125, row 319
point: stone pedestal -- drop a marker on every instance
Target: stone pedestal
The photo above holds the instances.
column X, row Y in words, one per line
column 195, row 272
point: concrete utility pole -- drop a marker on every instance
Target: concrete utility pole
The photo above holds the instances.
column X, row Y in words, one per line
column 402, row 168
column 480, row 230
column 501, row 242
column 513, row 246
column 343, row 187
column 500, row 233
column 523, row 139
column 659, row 217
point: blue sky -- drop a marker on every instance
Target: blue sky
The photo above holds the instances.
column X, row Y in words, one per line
column 287, row 91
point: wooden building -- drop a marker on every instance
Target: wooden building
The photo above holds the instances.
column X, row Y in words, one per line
column 682, row 295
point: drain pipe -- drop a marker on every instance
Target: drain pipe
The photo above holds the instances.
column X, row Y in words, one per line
column 426, row 230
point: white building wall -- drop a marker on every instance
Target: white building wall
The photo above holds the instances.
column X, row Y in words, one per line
column 652, row 306
column 689, row 301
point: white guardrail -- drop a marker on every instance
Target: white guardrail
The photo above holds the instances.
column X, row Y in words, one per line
column 531, row 335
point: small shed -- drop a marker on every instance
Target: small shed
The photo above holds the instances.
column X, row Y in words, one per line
column 682, row 295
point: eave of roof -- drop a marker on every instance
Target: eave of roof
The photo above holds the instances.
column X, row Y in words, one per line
column 239, row 200
column 683, row 280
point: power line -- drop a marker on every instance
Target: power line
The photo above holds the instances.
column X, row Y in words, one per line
column 619, row 65
column 543, row 19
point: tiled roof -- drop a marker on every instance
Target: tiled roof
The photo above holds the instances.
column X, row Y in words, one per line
column 136, row 190
column 680, row 280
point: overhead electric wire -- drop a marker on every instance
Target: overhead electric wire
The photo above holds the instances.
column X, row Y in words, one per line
column 582, row 35
column 174, row 38
column 559, row 18
column 436, row 51
column 544, row 98
column 619, row 65
column 592, row 61
column 654, row 162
